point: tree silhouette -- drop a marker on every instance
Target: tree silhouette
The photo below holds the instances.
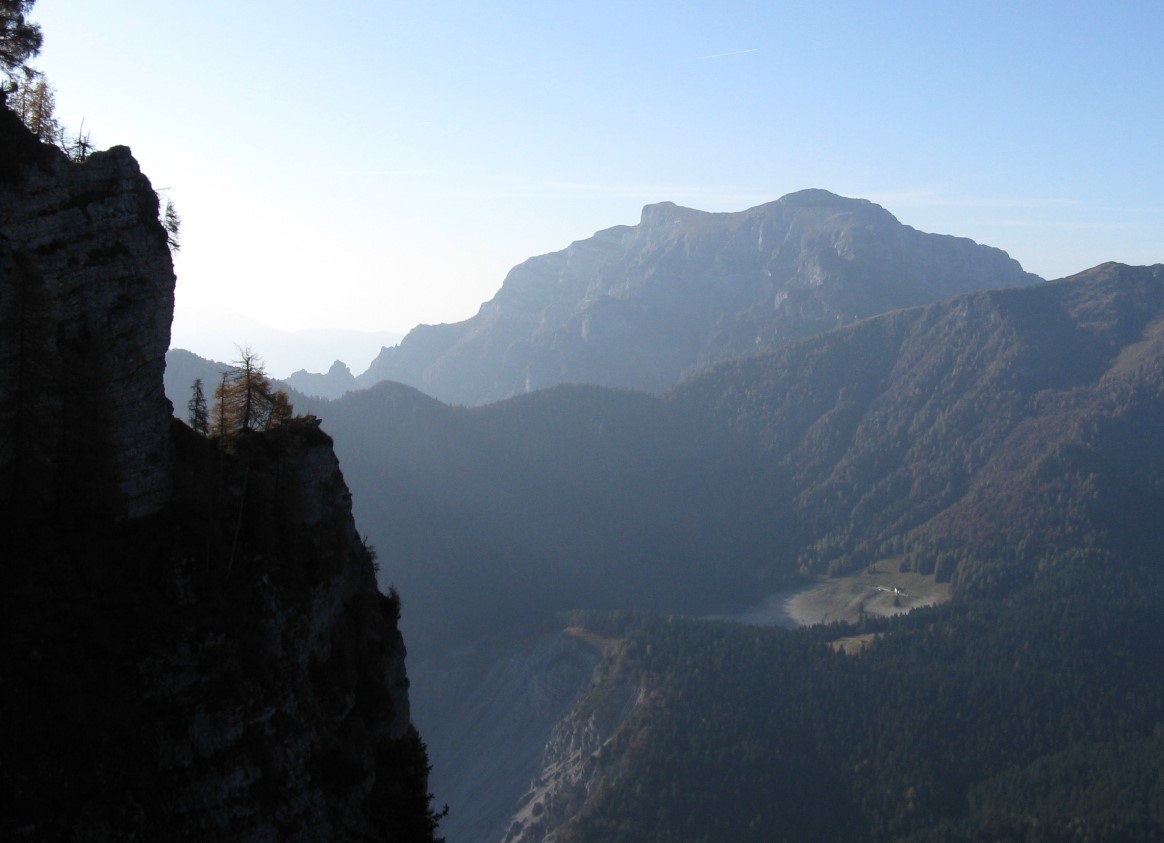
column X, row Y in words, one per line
column 172, row 223
column 199, row 416
column 246, row 399
column 33, row 100
column 20, row 40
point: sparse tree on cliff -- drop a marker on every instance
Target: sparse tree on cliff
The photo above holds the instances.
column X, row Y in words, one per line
column 199, row 416
column 33, row 100
column 172, row 223
column 246, row 399
column 79, row 147
column 26, row 91
column 281, row 409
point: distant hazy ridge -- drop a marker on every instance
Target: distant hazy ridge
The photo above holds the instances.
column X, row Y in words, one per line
column 644, row 306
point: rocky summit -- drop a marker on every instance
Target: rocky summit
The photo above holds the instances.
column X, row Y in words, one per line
column 644, row 306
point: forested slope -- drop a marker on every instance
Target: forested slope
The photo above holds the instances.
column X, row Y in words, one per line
column 1038, row 717
column 1008, row 443
column 980, row 439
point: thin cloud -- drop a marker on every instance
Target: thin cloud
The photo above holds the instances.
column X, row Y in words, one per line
column 725, row 55
column 926, row 198
column 402, row 172
column 1065, row 225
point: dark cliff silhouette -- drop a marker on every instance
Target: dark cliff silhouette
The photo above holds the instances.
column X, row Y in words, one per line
column 192, row 643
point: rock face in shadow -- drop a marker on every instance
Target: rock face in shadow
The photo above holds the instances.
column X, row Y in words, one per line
column 494, row 709
column 192, row 643
column 644, row 306
column 86, row 298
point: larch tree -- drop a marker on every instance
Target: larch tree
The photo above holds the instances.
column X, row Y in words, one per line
column 246, row 399
column 220, row 405
column 33, row 100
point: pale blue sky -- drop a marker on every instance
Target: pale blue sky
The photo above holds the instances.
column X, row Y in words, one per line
column 375, row 165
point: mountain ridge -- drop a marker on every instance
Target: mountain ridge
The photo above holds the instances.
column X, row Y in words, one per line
column 951, row 440
column 643, row 306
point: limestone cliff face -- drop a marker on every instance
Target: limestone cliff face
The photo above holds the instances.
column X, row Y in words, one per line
column 86, row 299
column 192, row 643
column 644, row 306
column 487, row 713
column 573, row 760
column 293, row 694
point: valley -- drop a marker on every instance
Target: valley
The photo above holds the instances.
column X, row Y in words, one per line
column 942, row 508
column 789, row 524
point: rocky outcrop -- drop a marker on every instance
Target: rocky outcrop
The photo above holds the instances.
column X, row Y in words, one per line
column 572, row 762
column 331, row 384
column 487, row 713
column 86, row 298
column 192, row 643
column 644, row 306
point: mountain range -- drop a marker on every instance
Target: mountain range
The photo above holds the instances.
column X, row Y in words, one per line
column 218, row 332
column 644, row 306
column 959, row 492
column 901, row 436
column 977, row 448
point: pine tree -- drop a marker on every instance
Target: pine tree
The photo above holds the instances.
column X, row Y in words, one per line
column 172, row 223
column 199, row 416
column 19, row 39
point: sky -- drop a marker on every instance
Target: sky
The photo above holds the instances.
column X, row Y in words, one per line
column 377, row 165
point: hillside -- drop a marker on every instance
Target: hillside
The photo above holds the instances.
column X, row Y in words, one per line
column 1029, row 410
column 643, row 306
column 988, row 443
column 979, row 438
column 1037, row 718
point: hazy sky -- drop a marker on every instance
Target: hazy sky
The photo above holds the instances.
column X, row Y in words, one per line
column 375, row 165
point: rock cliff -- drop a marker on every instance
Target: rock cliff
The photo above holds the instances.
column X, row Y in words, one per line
column 573, row 760
column 192, row 643
column 488, row 712
column 644, row 306
column 86, row 300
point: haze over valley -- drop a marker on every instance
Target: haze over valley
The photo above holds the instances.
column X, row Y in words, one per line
column 997, row 448
column 595, row 424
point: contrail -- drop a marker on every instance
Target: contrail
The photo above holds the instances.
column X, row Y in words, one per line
column 721, row 55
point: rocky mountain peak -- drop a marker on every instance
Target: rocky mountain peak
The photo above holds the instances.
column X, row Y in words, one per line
column 663, row 214
column 644, row 306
